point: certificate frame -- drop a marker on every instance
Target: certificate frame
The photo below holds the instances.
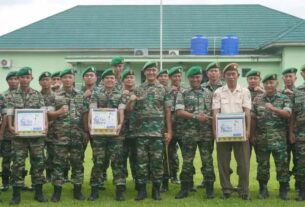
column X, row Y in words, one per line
column 231, row 127
column 104, row 121
column 30, row 122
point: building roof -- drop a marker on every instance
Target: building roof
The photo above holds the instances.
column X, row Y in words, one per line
column 137, row 26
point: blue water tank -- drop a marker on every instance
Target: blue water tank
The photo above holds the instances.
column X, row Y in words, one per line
column 199, row 45
column 229, row 45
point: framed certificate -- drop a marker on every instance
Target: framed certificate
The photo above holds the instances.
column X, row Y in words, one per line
column 104, row 121
column 230, row 127
column 30, row 122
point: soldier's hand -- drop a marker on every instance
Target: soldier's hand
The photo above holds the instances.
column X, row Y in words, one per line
column 201, row 117
column 133, row 98
column 12, row 130
column 88, row 93
column 288, row 91
column 292, row 138
column 167, row 137
column 125, row 92
column 64, row 109
column 269, row 106
column 258, row 88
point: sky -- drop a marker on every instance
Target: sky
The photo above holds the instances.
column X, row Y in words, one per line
column 15, row 14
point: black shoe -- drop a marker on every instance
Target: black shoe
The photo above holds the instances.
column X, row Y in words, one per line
column 16, row 196
column 56, row 194
column 156, row 191
column 225, row 195
column 184, row 191
column 39, row 194
column 94, row 193
column 245, row 197
column 209, row 190
column 142, row 194
column 202, row 185
column 164, row 186
column 5, row 183
column 283, row 190
column 77, row 192
column 263, row 190
column 301, row 195
column 119, row 192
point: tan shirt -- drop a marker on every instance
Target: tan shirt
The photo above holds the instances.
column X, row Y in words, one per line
column 231, row 102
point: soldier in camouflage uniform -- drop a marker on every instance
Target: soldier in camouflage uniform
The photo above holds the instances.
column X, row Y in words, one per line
column 26, row 98
column 56, row 81
column 195, row 106
column 152, row 106
column 297, row 136
column 6, row 146
column 270, row 114
column 48, row 95
column 102, row 145
column 289, row 78
column 302, row 87
column 69, row 106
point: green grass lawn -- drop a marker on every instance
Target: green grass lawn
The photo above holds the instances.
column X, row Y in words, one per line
column 194, row 199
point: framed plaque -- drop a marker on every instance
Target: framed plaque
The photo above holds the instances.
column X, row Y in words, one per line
column 230, row 127
column 30, row 122
column 104, row 121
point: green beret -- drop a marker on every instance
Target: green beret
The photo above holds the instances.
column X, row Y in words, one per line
column 269, row 77
column 107, row 72
column 150, row 64
column 11, row 74
column 127, row 72
column 67, row 71
column 162, row 72
column 174, row 70
column 303, row 68
column 231, row 66
column 44, row 75
column 253, row 73
column 117, row 60
column 212, row 65
column 88, row 70
column 289, row 70
column 55, row 74
column 194, row 71
column 24, row 71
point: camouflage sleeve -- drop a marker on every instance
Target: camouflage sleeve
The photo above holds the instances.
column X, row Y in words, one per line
column 180, row 102
column 9, row 105
column 123, row 101
column 253, row 109
column 51, row 106
column 167, row 99
column 287, row 104
column 41, row 103
column 1, row 104
column 208, row 99
column 92, row 103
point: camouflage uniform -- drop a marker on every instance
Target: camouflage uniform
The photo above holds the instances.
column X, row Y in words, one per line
column 149, row 131
column 211, row 87
column 301, row 87
column 196, row 134
column 21, row 146
column 271, row 136
column 104, row 146
column 68, row 142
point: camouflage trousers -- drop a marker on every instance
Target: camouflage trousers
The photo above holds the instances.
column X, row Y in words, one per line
column 129, row 150
column 6, row 153
column 112, row 148
column 50, row 155
column 73, row 153
column 188, row 150
column 173, row 160
column 149, row 160
column 291, row 154
column 300, row 160
column 280, row 158
column 21, row 147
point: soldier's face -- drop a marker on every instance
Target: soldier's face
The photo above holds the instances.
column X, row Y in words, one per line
column 289, row 79
column 151, row 74
column 303, row 74
column 176, row 79
column 45, row 83
column 129, row 80
column 68, row 80
column 231, row 76
column 214, row 74
column 90, row 78
column 56, row 81
column 253, row 81
column 25, row 80
column 270, row 86
column 119, row 68
column 195, row 81
column 13, row 82
column 109, row 81
column 163, row 79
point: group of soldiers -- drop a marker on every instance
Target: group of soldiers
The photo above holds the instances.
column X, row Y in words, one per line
column 154, row 118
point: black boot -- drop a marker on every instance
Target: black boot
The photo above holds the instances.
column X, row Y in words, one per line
column 192, row 187
column 77, row 192
column 16, row 196
column 263, row 190
column 175, row 179
column 142, row 194
column 209, row 189
column 5, row 183
column 297, row 186
column 155, row 194
column 301, row 195
column 56, row 194
column 283, row 190
column 164, row 186
column 39, row 194
column 119, row 193
column 94, row 193
column 184, row 191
